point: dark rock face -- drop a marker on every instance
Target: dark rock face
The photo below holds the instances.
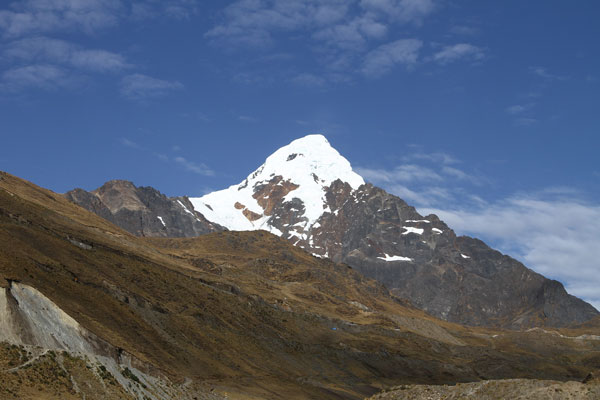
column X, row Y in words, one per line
column 143, row 211
column 459, row 279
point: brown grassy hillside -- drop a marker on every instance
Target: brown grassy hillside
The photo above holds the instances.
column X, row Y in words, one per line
column 247, row 312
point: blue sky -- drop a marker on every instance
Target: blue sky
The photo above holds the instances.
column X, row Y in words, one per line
column 484, row 112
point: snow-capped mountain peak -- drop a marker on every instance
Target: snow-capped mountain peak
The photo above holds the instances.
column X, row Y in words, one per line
column 296, row 176
column 307, row 159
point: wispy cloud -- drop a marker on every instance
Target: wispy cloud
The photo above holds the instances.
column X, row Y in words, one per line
column 352, row 34
column 464, row 30
column 404, row 11
column 519, row 108
column 385, row 57
column 426, row 179
column 200, row 169
column 344, row 35
column 143, row 87
column 247, row 118
column 253, row 22
column 191, row 166
column 47, row 50
column 543, row 73
column 522, row 114
column 436, row 157
column 553, row 236
column 402, row 173
column 455, row 52
column 309, row 80
column 525, row 121
column 39, row 76
column 461, row 175
column 178, row 9
column 336, row 22
column 130, row 143
column 41, row 16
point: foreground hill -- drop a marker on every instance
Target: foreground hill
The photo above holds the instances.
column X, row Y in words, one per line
column 307, row 193
column 243, row 313
column 521, row 389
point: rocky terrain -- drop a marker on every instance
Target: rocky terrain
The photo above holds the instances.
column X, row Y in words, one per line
column 31, row 372
column 516, row 389
column 241, row 314
column 143, row 211
column 307, row 193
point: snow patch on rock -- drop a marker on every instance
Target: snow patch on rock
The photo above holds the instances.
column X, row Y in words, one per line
column 395, row 258
column 410, row 229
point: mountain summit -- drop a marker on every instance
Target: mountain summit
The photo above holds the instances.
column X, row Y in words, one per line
column 295, row 177
column 307, row 193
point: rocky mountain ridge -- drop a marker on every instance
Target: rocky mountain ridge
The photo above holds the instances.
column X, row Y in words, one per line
column 143, row 211
column 307, row 192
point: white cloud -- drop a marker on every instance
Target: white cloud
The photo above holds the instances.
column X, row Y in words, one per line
column 345, row 36
column 436, row 157
column 39, row 16
column 557, row 237
column 428, row 179
column 247, row 118
column 458, row 51
column 464, row 30
column 385, row 57
column 519, row 108
column 341, row 24
column 543, row 73
column 525, row 121
column 460, row 175
column 181, row 9
column 402, row 173
column 47, row 50
column 253, row 21
column 130, row 143
column 141, row 87
column 39, row 76
column 178, row 9
column 401, row 10
column 352, row 34
column 310, row 80
column 200, row 169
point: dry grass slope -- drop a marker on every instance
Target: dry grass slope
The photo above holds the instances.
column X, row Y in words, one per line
column 247, row 312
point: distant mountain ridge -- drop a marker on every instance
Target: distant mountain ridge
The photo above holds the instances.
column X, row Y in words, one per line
column 308, row 193
column 144, row 211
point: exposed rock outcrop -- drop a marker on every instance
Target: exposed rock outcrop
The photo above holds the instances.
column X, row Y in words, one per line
column 28, row 318
column 143, row 211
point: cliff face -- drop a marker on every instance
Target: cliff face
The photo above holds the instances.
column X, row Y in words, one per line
column 420, row 258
